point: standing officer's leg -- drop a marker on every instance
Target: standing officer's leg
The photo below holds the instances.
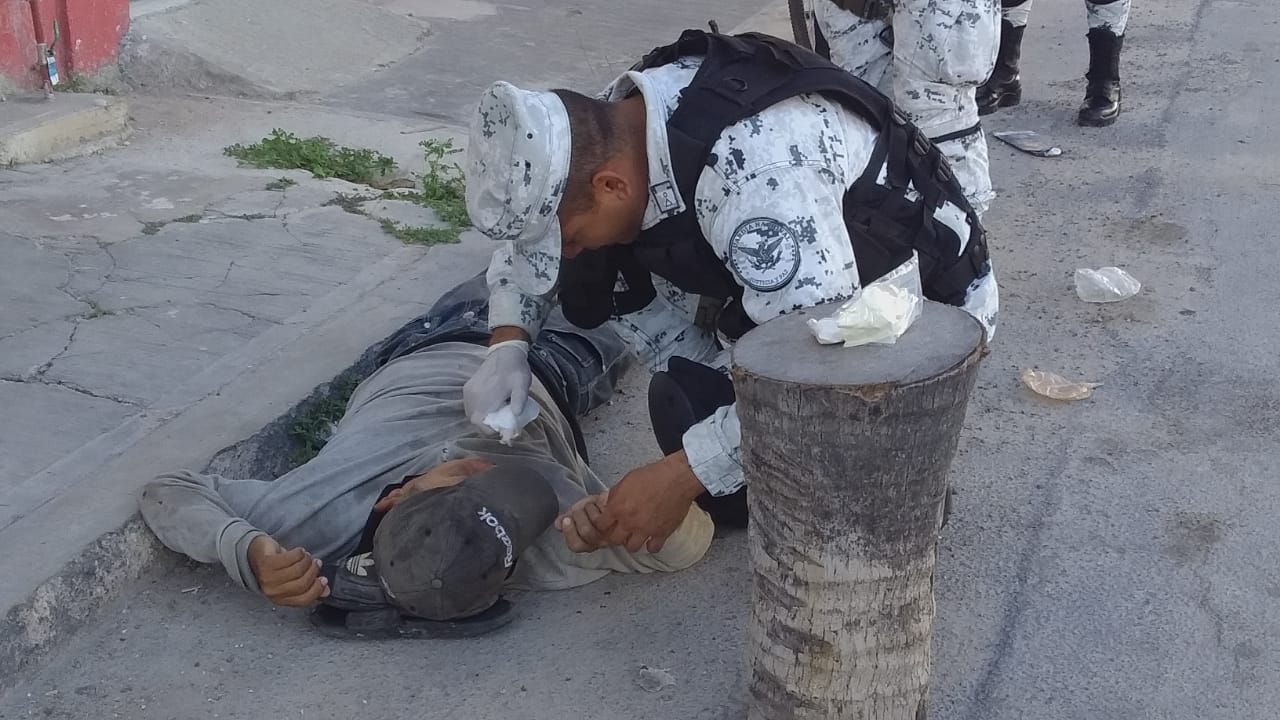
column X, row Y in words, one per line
column 860, row 45
column 944, row 49
column 1004, row 89
column 1107, row 22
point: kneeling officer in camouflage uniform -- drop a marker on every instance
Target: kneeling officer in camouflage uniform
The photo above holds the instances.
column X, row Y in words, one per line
column 741, row 173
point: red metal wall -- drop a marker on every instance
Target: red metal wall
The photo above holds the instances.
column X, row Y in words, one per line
column 92, row 31
column 17, row 43
column 89, row 36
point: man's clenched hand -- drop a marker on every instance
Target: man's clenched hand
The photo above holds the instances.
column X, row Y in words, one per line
column 287, row 577
column 583, row 526
column 650, row 503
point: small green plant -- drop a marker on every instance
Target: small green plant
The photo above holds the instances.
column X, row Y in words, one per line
column 443, row 189
column 320, row 156
column 314, row 427
column 96, row 311
column 416, row 235
column 443, row 186
column 151, row 227
column 82, row 84
column 75, row 84
column 350, row 202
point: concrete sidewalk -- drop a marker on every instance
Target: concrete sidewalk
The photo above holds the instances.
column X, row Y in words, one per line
column 284, row 49
column 1108, row 559
column 158, row 303
column 36, row 129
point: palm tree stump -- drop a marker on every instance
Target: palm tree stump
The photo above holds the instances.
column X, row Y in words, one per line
column 846, row 452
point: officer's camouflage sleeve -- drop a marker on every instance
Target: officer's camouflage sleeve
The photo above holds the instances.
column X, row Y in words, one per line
column 713, row 449
column 771, row 203
column 783, row 236
column 508, row 305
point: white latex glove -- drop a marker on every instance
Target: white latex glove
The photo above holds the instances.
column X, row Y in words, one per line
column 504, row 378
column 507, row 424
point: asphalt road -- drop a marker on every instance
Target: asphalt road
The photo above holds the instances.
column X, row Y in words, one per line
column 1108, row 559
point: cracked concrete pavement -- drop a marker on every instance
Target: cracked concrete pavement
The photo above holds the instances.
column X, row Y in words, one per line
column 160, row 282
column 1108, row 559
column 128, row 273
column 158, row 303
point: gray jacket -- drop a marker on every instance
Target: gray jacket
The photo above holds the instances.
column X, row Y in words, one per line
column 402, row 421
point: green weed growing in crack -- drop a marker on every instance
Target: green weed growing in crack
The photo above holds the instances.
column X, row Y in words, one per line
column 443, row 185
column 418, row 235
column 151, row 227
column 249, row 217
column 350, row 202
column 442, row 189
column 280, row 184
column 82, row 84
column 96, row 311
column 318, row 155
column 315, row 425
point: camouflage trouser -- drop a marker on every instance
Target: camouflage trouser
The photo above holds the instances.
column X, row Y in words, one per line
column 1111, row 15
column 930, row 58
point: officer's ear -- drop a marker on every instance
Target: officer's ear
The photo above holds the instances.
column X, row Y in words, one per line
column 610, row 185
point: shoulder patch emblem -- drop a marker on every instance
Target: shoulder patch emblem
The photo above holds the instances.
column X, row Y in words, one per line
column 765, row 254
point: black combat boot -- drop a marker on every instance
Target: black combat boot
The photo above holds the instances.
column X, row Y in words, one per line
column 1102, row 95
column 1004, row 87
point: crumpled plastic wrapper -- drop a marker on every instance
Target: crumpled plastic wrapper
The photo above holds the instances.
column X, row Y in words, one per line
column 879, row 314
column 655, row 679
column 1030, row 142
column 1056, row 387
column 1105, row 285
column 507, row 424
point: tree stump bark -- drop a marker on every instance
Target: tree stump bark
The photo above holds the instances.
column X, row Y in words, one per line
column 846, row 452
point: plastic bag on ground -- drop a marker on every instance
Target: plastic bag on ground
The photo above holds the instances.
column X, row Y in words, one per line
column 880, row 313
column 1030, row 142
column 1104, row 285
column 655, row 679
column 1056, row 387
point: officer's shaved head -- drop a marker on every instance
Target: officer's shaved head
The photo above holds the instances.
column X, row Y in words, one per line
column 596, row 140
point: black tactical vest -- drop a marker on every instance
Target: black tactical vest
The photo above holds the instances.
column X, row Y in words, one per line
column 741, row 76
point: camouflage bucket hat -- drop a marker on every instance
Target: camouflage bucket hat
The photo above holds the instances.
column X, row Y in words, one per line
column 517, row 167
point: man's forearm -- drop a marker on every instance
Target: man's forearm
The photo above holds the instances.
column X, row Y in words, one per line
column 186, row 513
column 505, row 333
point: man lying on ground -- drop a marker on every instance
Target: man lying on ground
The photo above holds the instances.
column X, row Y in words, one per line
column 412, row 521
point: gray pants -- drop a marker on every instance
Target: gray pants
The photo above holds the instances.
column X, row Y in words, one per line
column 1110, row 15
column 579, row 367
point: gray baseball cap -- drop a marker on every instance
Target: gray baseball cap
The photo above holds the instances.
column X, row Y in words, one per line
column 517, row 167
column 445, row 554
